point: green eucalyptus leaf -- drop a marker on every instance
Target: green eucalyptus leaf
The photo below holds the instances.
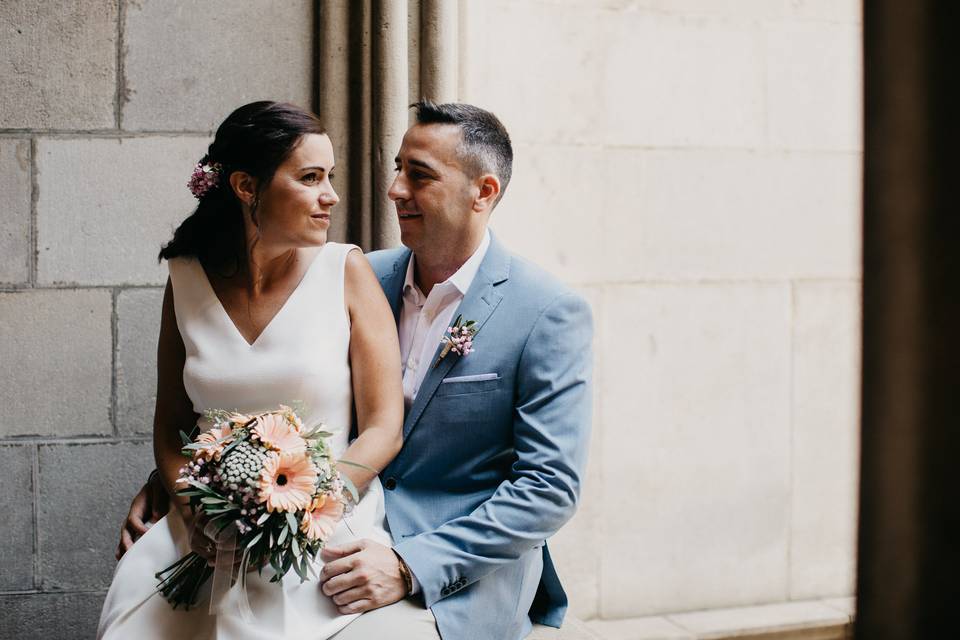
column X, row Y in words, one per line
column 255, row 540
column 291, row 522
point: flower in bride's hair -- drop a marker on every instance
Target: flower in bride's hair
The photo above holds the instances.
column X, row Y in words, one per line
column 212, row 443
column 320, row 520
column 287, row 482
column 205, row 178
column 276, row 433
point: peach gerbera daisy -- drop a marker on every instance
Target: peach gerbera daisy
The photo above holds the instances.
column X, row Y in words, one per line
column 287, row 482
column 276, row 433
column 321, row 518
column 213, row 441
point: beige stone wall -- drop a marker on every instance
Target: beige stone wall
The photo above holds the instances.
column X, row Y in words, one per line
column 693, row 166
column 104, row 107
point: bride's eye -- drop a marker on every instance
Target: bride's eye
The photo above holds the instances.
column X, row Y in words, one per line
column 310, row 177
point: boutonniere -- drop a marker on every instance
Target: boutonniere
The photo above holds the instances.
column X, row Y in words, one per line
column 459, row 339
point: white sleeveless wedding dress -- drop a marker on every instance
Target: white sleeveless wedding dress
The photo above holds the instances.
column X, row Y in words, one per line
column 300, row 359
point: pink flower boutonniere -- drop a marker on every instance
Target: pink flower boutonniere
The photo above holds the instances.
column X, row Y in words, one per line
column 459, row 339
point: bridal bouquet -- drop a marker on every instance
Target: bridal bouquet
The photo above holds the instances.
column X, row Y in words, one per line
column 270, row 491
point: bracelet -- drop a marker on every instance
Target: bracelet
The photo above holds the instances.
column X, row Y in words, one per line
column 404, row 572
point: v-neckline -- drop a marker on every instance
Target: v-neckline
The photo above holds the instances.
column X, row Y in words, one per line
column 229, row 319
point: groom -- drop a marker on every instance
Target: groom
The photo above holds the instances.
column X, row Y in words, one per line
column 495, row 438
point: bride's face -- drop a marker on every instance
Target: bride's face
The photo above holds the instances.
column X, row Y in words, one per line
column 295, row 207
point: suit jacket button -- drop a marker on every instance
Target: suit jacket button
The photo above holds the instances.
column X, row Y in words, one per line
column 390, row 484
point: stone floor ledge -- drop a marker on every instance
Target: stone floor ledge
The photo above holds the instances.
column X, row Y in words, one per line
column 827, row 619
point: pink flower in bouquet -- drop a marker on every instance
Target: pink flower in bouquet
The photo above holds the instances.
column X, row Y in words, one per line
column 321, row 518
column 276, row 433
column 213, row 441
column 287, row 482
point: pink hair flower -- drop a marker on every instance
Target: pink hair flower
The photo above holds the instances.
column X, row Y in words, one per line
column 205, row 178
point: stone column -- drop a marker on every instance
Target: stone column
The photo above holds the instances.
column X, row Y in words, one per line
column 438, row 50
column 909, row 551
column 376, row 58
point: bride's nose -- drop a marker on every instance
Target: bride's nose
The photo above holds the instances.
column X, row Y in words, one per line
column 329, row 198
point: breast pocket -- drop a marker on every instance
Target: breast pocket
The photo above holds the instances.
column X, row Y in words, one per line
column 463, row 385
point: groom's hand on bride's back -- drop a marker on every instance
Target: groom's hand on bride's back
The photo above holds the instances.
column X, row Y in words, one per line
column 362, row 575
column 149, row 505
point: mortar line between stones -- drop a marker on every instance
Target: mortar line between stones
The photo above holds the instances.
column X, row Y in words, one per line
column 114, row 344
column 35, row 481
column 37, row 592
column 74, row 286
column 108, row 134
column 121, row 89
column 86, row 439
column 34, row 250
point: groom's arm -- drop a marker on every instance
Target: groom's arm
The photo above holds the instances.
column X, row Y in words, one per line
column 551, row 435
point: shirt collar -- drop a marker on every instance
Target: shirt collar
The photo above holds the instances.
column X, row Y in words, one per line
column 464, row 276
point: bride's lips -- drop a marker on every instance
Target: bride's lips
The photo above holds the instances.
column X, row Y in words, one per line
column 321, row 216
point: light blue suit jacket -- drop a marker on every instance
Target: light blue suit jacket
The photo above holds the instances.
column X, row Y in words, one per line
column 495, row 445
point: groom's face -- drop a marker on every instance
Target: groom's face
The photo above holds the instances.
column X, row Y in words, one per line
column 432, row 193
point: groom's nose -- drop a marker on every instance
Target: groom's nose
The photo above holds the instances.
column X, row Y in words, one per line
column 398, row 188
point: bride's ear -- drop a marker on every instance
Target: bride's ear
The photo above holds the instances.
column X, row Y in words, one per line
column 244, row 186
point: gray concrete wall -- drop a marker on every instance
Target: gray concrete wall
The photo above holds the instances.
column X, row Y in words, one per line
column 104, row 107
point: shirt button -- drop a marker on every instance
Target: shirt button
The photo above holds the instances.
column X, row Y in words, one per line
column 390, row 484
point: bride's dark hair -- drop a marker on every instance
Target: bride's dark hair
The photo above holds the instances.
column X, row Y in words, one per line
column 256, row 138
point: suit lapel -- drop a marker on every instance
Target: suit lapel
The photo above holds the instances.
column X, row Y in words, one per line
column 478, row 304
column 392, row 283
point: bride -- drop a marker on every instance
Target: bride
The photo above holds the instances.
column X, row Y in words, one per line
column 261, row 310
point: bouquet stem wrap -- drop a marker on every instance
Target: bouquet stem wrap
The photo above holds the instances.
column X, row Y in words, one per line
column 227, row 545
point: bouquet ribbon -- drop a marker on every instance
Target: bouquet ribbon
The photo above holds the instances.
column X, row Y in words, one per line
column 226, row 542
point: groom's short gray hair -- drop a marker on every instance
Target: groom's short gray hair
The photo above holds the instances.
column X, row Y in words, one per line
column 485, row 146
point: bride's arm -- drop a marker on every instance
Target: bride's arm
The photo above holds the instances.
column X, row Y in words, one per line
column 174, row 411
column 375, row 369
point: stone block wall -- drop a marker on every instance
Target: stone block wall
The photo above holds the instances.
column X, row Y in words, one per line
column 694, row 167
column 691, row 166
column 104, row 107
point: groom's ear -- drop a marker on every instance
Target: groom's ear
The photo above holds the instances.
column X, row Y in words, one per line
column 488, row 193
column 244, row 186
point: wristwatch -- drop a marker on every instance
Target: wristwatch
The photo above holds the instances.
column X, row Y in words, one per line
column 404, row 573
